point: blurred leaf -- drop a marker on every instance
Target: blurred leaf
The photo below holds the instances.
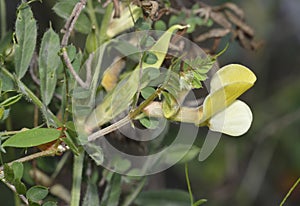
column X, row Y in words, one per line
column 160, row 25
column 163, row 197
column 121, row 164
column 48, row 64
column 7, row 83
column 95, row 152
column 31, row 138
column 181, row 153
column 33, row 203
column 26, row 34
column 150, row 123
column 112, row 191
column 50, row 203
column 20, row 186
column 12, row 100
column 129, row 15
column 5, row 42
column 91, row 197
column 64, row 8
column 37, row 193
column 18, row 170
column 1, row 112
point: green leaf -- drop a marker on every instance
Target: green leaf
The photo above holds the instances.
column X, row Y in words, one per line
column 50, row 203
column 33, row 137
column 147, row 92
column 8, row 173
column 1, row 112
column 49, row 62
column 18, row 170
column 112, row 191
column 77, row 178
column 37, row 193
column 200, row 202
column 181, row 153
column 160, row 25
column 122, row 95
column 64, row 9
column 95, row 152
column 91, row 197
column 150, row 58
column 7, row 83
column 20, row 186
column 33, row 203
column 5, row 42
column 26, row 34
column 129, row 15
column 163, row 197
column 170, row 105
column 150, row 123
column 69, row 141
column 12, row 100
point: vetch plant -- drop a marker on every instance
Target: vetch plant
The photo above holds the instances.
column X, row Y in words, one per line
column 128, row 99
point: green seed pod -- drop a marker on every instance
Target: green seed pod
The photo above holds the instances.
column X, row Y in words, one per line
column 91, row 43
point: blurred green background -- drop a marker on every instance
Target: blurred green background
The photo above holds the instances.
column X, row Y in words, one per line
column 259, row 167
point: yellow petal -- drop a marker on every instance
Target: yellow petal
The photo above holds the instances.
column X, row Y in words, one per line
column 227, row 85
column 235, row 120
column 229, row 74
column 222, row 98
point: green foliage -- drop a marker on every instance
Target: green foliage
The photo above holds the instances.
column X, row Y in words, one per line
column 37, row 193
column 150, row 76
column 33, row 137
column 26, row 34
column 49, row 62
column 63, row 8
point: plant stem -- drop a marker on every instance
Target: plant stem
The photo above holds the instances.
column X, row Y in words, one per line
column 31, row 96
column 3, row 17
column 105, row 23
column 77, row 177
column 22, row 197
column 290, row 191
column 125, row 120
column 188, row 183
column 91, row 13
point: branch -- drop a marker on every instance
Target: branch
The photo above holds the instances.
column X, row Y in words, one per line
column 13, row 188
column 68, row 28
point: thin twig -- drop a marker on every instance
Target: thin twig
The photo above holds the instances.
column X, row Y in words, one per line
column 71, row 68
column 33, row 156
column 290, row 191
column 68, row 28
column 13, row 188
column 109, row 129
